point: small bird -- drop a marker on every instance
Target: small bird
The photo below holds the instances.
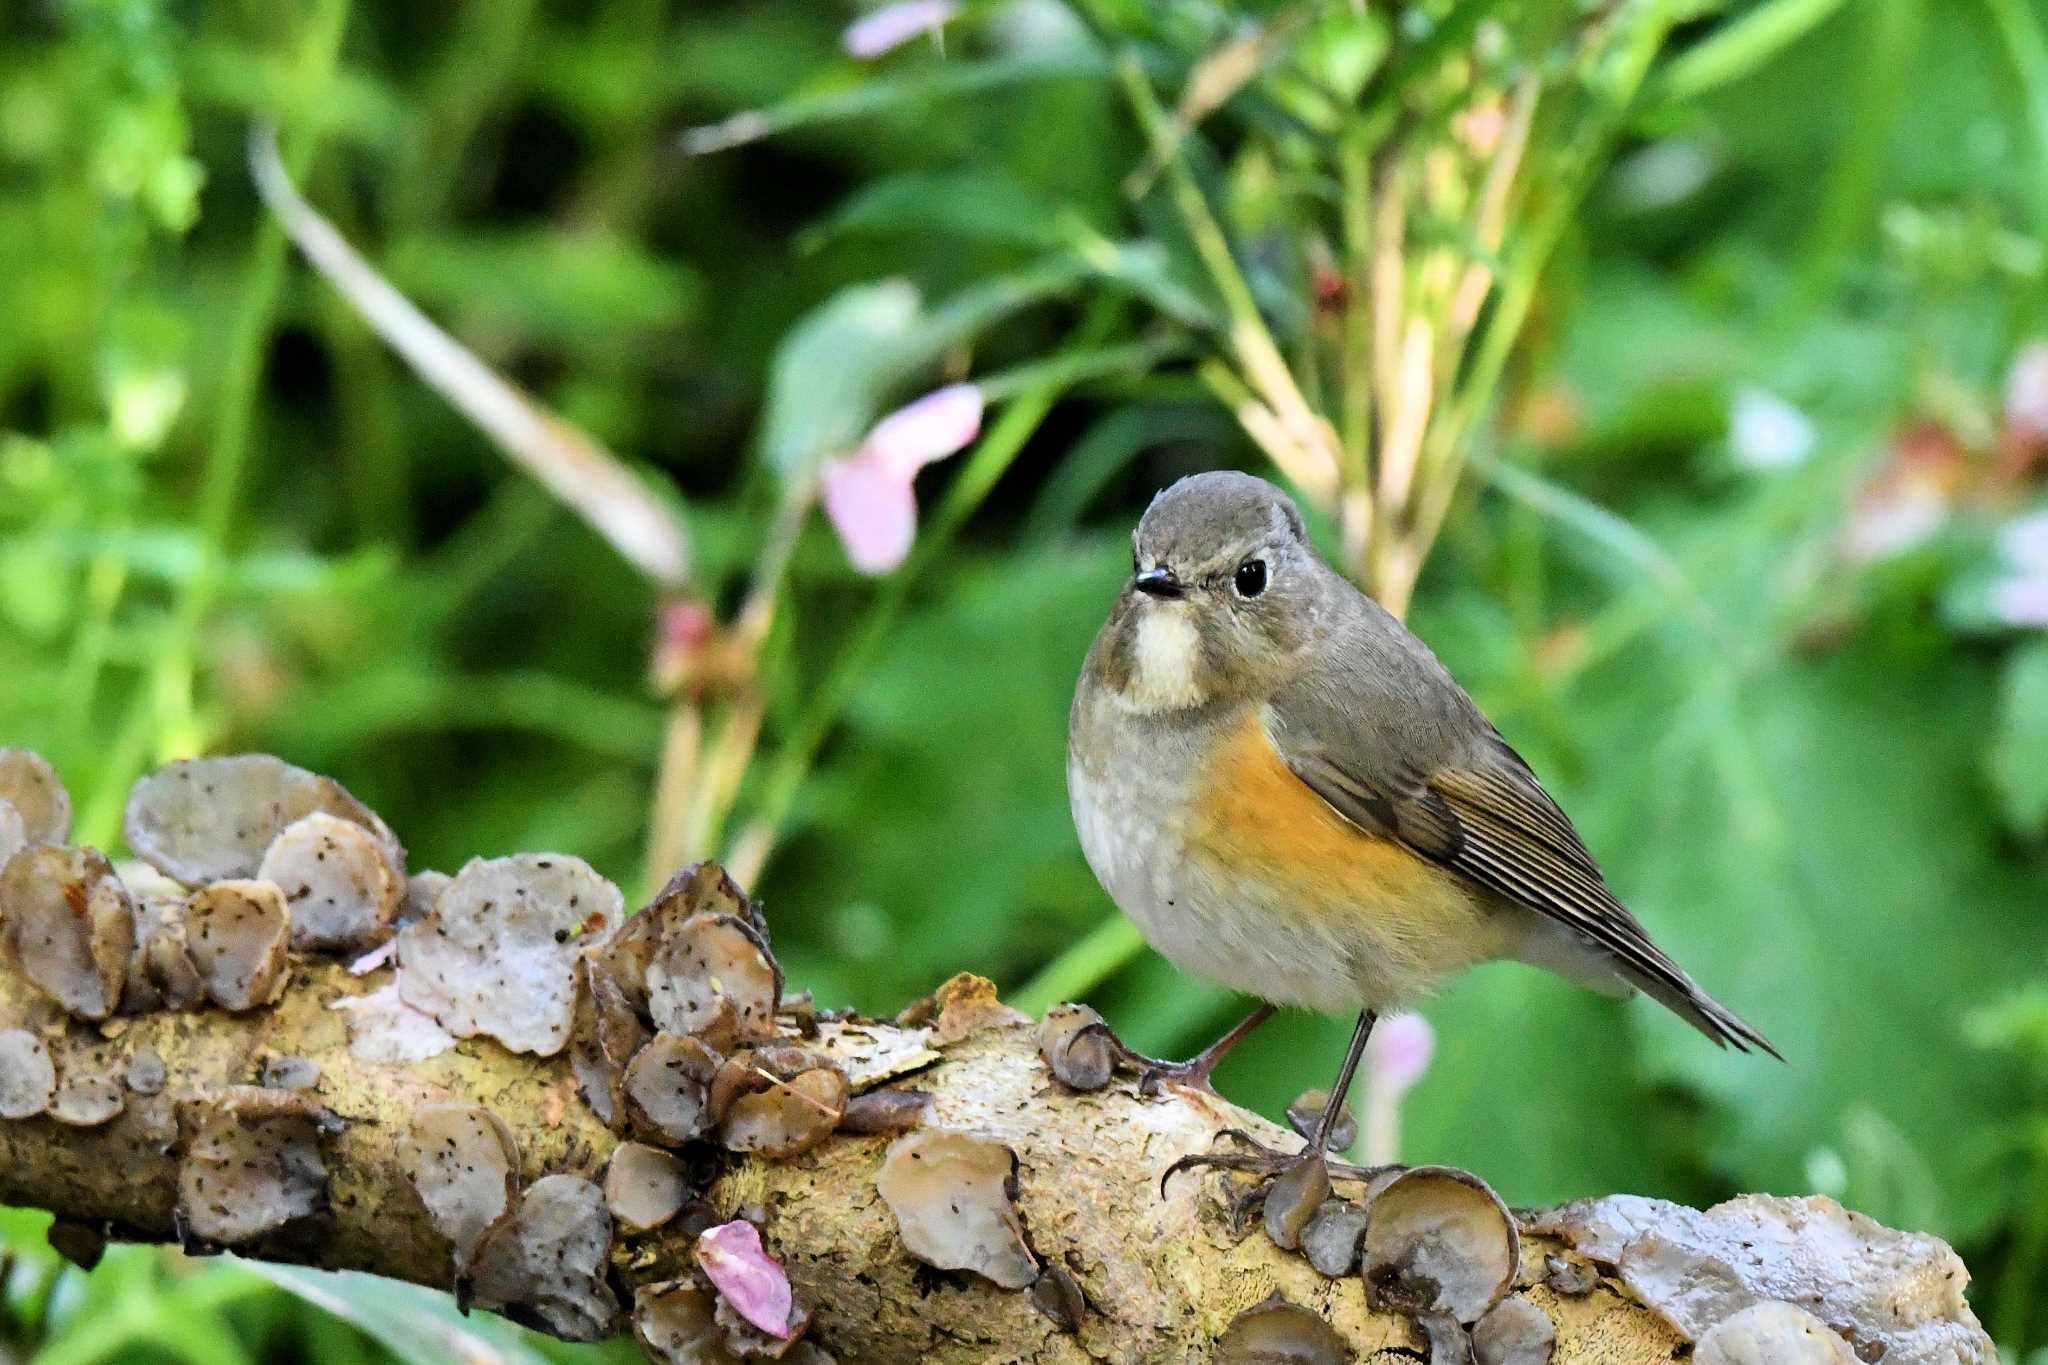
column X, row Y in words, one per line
column 1289, row 794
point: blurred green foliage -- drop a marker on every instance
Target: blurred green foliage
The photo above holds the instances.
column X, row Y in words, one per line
column 1752, row 564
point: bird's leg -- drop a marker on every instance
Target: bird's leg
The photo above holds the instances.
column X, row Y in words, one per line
column 1196, row 1070
column 1262, row 1160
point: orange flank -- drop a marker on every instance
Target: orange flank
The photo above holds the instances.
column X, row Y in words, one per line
column 1258, row 823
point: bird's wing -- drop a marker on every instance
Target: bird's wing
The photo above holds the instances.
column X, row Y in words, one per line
column 1448, row 786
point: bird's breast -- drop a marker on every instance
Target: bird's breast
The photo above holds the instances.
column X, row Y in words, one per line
column 1234, row 869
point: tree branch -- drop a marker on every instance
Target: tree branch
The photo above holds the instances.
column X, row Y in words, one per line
column 952, row 1185
column 1163, row 1277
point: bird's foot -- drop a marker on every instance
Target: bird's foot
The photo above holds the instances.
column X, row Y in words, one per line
column 1154, row 1075
column 1194, row 1073
column 1257, row 1159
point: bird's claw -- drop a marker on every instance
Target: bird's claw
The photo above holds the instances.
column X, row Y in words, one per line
column 1262, row 1161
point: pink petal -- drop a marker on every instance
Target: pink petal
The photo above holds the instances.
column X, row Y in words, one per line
column 739, row 1269
column 890, row 27
column 375, row 958
column 1399, row 1053
column 2021, row 601
column 872, row 509
column 2026, row 392
column 943, row 422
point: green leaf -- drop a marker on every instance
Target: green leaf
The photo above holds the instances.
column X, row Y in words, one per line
column 944, row 80
column 420, row 1326
column 2018, row 760
column 844, row 360
column 829, row 375
column 977, row 205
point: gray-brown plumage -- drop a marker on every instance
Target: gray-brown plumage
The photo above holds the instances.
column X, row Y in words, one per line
column 1288, row 792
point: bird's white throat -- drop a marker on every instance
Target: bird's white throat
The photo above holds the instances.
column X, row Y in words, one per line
column 1164, row 656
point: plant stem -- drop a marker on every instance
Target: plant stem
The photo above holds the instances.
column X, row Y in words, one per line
column 792, row 762
column 1099, row 955
column 163, row 710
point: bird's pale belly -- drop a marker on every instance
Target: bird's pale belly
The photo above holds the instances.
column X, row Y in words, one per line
column 1252, row 880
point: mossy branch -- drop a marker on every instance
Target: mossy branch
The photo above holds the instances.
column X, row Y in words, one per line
column 1163, row 1277
column 187, row 1054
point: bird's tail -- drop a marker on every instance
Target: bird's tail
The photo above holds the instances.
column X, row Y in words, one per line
column 1683, row 997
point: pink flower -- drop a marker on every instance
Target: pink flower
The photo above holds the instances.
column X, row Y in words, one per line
column 1395, row 1059
column 868, row 494
column 882, row 31
column 742, row 1272
column 2026, row 393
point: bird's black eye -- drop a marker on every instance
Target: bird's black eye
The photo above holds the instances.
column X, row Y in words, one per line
column 1251, row 578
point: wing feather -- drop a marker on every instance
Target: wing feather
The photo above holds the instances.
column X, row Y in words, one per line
column 1490, row 821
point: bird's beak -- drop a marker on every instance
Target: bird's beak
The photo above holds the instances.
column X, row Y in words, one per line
column 1158, row 582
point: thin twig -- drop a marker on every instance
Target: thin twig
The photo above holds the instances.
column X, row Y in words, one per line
column 563, row 459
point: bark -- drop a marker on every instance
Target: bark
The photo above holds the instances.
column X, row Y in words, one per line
column 1163, row 1277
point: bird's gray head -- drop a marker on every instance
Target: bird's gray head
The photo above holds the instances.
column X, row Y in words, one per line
column 1224, row 590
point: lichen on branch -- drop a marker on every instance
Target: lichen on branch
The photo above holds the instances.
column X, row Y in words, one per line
column 598, row 1123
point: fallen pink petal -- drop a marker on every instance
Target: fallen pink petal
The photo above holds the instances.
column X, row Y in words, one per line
column 737, row 1266
column 943, row 422
column 873, row 509
column 377, row 957
column 882, row 31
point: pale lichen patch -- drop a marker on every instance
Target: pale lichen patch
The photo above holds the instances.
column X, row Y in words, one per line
column 953, row 1195
column 498, row 955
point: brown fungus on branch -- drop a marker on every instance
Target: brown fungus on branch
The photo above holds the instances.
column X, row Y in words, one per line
column 778, row 1101
column 1077, row 1047
column 81, row 1243
column 667, row 1089
column 89, row 1090
column 251, row 1163
column 1057, row 1295
column 605, row 1034
column 644, row 1187
column 885, row 1113
column 749, row 1342
column 205, row 820
column 1514, row 1331
column 282, row 1072
column 146, row 1073
column 31, row 786
column 385, row 1031
column 422, row 893
column 69, row 927
column 1572, row 1279
column 238, row 934
column 1307, row 1111
column 1276, row 1332
column 1294, row 1197
column 161, row 973
column 1333, row 1238
column 338, row 881
column 675, row 1323
column 13, row 833
column 1773, row 1333
column 965, row 1004
column 544, row 1265
column 714, row 977
column 953, row 1195
column 1439, row 1240
column 498, row 955
column 28, row 1078
column 706, row 888
column 463, row 1162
